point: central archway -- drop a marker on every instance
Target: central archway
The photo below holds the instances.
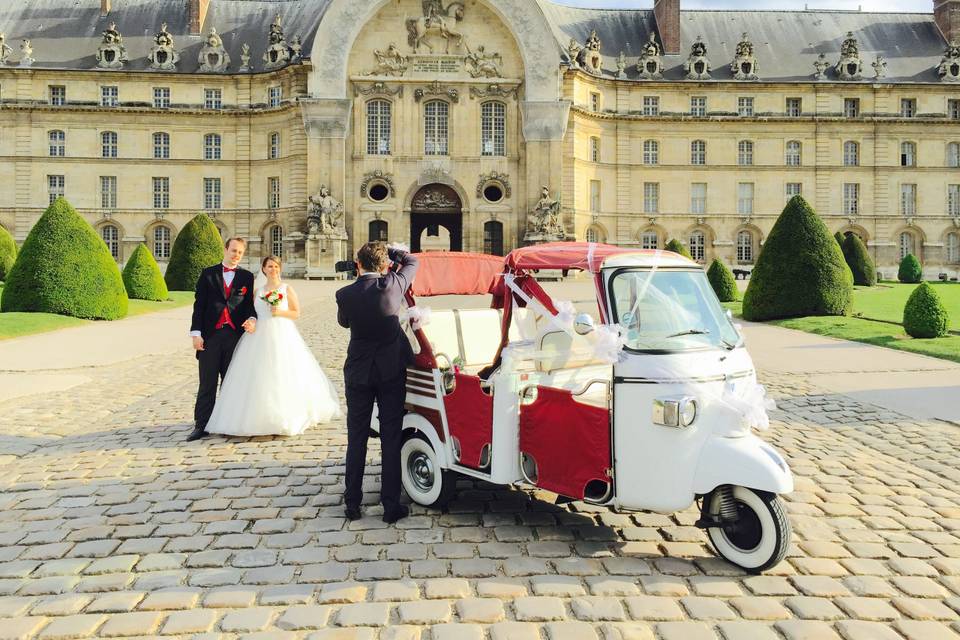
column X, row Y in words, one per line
column 436, row 206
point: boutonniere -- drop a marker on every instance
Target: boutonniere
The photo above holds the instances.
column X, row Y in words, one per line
column 243, row 291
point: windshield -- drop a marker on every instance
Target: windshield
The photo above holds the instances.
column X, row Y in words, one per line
column 670, row 311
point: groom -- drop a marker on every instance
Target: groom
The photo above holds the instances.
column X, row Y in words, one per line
column 222, row 311
column 376, row 370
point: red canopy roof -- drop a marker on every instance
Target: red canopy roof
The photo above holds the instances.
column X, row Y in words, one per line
column 584, row 256
column 452, row 273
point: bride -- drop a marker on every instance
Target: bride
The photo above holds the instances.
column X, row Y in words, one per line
column 274, row 385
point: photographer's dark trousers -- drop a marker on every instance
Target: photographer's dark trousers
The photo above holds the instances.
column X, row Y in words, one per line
column 214, row 361
column 390, row 396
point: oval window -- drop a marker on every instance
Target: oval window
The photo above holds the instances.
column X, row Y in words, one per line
column 493, row 193
column 379, row 192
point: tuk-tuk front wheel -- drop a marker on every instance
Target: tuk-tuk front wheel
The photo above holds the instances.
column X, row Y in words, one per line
column 424, row 480
column 754, row 532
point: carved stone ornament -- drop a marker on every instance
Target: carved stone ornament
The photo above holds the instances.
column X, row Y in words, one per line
column 744, row 66
column 591, row 60
column 621, row 66
column 493, row 91
column 544, row 223
column 949, row 69
column 573, row 53
column 821, row 65
column 163, row 55
column 377, row 175
column 278, row 52
column 324, row 215
column 879, row 67
column 245, row 57
column 956, row 222
column 698, row 65
column 5, row 49
column 437, row 20
column 435, row 88
column 850, row 66
column 390, row 62
column 502, row 179
column 481, row 64
column 650, row 65
column 26, row 53
column 111, row 54
column 213, row 57
column 436, row 173
column 377, row 89
column 296, row 47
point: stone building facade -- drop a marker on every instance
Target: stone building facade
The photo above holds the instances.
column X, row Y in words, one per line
column 481, row 125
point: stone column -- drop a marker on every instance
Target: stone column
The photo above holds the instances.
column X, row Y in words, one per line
column 544, row 128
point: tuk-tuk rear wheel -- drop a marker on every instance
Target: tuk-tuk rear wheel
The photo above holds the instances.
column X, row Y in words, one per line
column 425, row 481
column 759, row 537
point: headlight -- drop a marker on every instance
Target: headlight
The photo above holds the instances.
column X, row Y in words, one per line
column 675, row 412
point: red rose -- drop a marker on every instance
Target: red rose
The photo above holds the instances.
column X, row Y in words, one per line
column 280, row 296
column 243, row 291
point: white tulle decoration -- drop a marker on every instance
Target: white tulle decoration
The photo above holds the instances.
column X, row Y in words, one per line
column 609, row 343
column 566, row 312
column 419, row 317
column 751, row 402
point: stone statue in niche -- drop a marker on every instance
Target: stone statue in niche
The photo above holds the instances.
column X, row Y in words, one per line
column 949, row 69
column 481, row 64
column 296, row 47
column 544, row 221
column 698, row 65
column 26, row 53
column 245, row 57
column 213, row 57
column 850, row 66
column 325, row 214
column 436, row 19
column 111, row 54
column 879, row 67
column 622, row 65
column 744, row 66
column 278, row 52
column 390, row 62
column 591, row 60
column 573, row 52
column 163, row 55
column 5, row 49
column 650, row 65
column 821, row 65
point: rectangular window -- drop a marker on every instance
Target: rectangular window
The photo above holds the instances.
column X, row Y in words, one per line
column 745, row 198
column 436, row 118
column 953, row 109
column 908, row 200
column 745, row 153
column 211, row 193
column 908, row 107
column 161, row 145
column 651, row 152
column 161, row 97
column 745, row 106
column 161, row 193
column 110, row 96
column 793, row 189
column 698, row 198
column 594, row 101
column 794, row 107
column 493, row 129
column 698, row 152
column 793, row 154
column 58, row 95
column 953, row 200
column 698, row 106
column 274, row 96
column 651, row 105
column 594, row 149
column 109, row 143
column 595, row 196
column 851, row 107
column 108, row 192
column 650, row 240
column 212, row 98
column 274, row 152
column 55, row 188
column 273, row 193
column 58, row 143
column 378, row 127
column 651, row 197
column 851, row 199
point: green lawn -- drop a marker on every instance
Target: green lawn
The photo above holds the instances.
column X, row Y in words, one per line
column 886, row 301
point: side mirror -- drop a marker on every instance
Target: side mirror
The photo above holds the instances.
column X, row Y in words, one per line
column 583, row 324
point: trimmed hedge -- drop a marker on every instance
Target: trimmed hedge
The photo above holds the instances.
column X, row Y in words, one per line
column 677, row 247
column 64, row 267
column 722, row 281
column 911, row 271
column 198, row 246
column 839, row 238
column 801, row 270
column 8, row 253
column 859, row 260
column 924, row 315
column 142, row 276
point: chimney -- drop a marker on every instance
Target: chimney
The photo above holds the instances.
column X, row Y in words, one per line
column 667, row 15
column 198, row 13
column 104, row 8
column 946, row 13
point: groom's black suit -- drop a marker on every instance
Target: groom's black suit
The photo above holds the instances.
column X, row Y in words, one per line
column 376, row 369
column 219, row 338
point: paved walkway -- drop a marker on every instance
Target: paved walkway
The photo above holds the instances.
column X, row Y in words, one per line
column 111, row 526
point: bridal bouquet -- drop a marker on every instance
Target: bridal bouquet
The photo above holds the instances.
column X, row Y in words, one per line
column 272, row 298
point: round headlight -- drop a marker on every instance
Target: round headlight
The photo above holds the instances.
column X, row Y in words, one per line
column 688, row 412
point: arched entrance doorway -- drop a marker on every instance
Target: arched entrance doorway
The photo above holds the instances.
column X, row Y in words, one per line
column 436, row 219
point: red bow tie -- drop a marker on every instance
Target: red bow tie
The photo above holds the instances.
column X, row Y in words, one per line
column 229, row 269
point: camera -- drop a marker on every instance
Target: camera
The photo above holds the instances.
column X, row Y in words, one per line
column 346, row 266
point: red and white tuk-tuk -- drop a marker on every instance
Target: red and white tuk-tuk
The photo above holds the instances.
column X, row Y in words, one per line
column 643, row 399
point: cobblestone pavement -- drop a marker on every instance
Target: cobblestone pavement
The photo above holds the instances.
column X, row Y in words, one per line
column 110, row 525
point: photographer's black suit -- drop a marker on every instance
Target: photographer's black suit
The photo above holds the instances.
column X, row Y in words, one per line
column 219, row 337
column 376, row 370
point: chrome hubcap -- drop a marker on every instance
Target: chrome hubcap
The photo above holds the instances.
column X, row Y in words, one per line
column 420, row 470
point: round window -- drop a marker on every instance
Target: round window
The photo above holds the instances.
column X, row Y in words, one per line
column 493, row 193
column 379, row 192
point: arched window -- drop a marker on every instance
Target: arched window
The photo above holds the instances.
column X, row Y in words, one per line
column 111, row 237
column 651, row 152
column 697, row 242
column 908, row 154
column 745, row 247
column 908, row 244
column 161, row 242
column 953, row 155
column 952, row 248
column 593, row 235
column 275, row 237
column 108, row 144
column 378, row 127
column 378, row 231
column 851, row 154
column 274, row 151
column 161, row 145
column 58, row 143
column 493, row 129
column 745, row 153
column 212, row 146
column 436, row 123
column 594, row 149
column 794, row 152
column 698, row 152
column 650, row 239
column 493, row 238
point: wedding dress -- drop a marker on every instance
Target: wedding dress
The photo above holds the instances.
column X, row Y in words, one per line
column 274, row 385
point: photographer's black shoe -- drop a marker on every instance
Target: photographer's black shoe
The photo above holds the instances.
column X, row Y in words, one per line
column 398, row 513
column 196, row 434
column 352, row 513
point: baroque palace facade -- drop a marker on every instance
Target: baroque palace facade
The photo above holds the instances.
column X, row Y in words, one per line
column 311, row 126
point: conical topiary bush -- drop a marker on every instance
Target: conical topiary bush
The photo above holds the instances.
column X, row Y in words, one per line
column 8, row 253
column 64, row 267
column 677, row 247
column 722, row 281
column 142, row 276
column 924, row 315
column 801, row 270
column 198, row 246
column 839, row 238
column 858, row 259
column 911, row 271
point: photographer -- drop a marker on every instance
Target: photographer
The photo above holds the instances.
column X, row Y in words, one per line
column 376, row 369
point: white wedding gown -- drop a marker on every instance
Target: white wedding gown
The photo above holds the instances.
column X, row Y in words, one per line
column 274, row 385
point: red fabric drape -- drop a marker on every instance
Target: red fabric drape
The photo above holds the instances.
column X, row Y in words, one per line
column 470, row 418
column 447, row 273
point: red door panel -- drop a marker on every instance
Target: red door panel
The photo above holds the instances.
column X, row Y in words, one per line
column 470, row 418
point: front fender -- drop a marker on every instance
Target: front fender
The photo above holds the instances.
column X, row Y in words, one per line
column 746, row 461
column 415, row 422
